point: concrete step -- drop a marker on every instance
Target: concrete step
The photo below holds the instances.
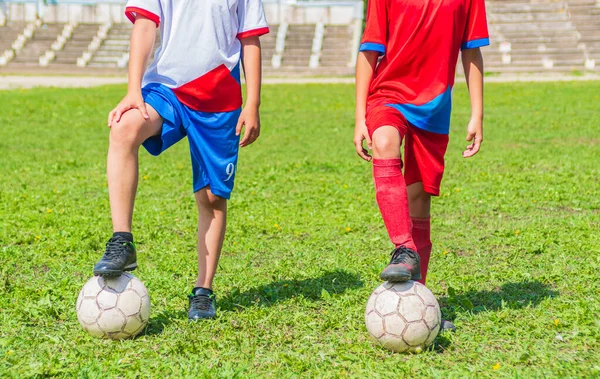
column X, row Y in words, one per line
column 65, row 53
column 112, row 42
column 101, row 53
column 102, row 64
column 105, row 59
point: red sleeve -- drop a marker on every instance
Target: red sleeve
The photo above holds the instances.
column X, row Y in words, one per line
column 476, row 30
column 375, row 34
column 147, row 8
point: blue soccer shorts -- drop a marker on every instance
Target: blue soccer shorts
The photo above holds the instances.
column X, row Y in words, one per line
column 213, row 144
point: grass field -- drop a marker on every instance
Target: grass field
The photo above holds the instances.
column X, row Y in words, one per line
column 515, row 263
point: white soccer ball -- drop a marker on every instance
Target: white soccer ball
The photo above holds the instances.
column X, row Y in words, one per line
column 115, row 308
column 403, row 317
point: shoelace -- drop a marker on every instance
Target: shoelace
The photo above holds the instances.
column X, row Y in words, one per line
column 202, row 302
column 401, row 255
column 115, row 248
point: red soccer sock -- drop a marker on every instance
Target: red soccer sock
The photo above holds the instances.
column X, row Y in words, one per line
column 421, row 232
column 392, row 199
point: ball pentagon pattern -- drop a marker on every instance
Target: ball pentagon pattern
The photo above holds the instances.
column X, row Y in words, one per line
column 114, row 308
column 403, row 317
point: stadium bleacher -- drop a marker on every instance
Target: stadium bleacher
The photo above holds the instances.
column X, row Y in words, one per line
column 316, row 38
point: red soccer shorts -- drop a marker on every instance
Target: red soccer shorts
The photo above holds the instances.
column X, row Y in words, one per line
column 423, row 151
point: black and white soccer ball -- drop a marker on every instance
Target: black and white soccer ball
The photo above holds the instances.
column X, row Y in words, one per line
column 114, row 308
column 403, row 317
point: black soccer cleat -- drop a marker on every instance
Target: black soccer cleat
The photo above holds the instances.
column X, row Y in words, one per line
column 405, row 265
column 203, row 304
column 447, row 326
column 119, row 256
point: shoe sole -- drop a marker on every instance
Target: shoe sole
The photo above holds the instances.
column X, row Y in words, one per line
column 114, row 273
column 201, row 318
column 398, row 278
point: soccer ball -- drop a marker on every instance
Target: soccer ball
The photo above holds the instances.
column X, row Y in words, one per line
column 403, row 317
column 115, row 308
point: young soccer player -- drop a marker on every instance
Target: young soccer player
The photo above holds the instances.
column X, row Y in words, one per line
column 192, row 88
column 407, row 97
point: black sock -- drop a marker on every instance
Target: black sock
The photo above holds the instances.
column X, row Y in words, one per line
column 204, row 291
column 128, row 236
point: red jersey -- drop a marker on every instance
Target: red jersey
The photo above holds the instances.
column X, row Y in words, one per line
column 420, row 41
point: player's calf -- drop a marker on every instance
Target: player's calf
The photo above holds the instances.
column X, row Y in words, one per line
column 404, row 265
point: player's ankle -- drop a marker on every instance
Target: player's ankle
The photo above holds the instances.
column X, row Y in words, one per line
column 127, row 235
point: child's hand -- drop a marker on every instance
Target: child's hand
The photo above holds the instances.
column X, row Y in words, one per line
column 133, row 100
column 250, row 120
column 475, row 134
column 361, row 134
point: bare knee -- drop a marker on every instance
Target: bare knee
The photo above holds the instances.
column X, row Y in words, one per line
column 419, row 201
column 126, row 133
column 208, row 201
column 386, row 143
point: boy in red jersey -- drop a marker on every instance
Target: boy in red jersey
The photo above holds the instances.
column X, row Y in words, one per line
column 407, row 96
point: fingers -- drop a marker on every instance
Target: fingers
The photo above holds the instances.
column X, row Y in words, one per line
column 238, row 128
column 111, row 116
column 118, row 113
column 368, row 139
column 142, row 108
column 474, row 147
column 360, row 150
column 250, row 135
column 121, row 109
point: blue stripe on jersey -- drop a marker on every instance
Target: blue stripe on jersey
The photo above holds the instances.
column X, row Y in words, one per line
column 371, row 46
column 433, row 116
column 475, row 43
column 235, row 72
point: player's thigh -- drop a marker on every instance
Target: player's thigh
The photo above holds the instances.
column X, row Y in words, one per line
column 134, row 129
column 386, row 141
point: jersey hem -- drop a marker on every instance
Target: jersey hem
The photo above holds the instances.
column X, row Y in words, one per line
column 372, row 46
column 254, row 32
column 129, row 12
column 475, row 43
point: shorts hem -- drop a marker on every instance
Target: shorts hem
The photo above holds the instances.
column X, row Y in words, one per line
column 433, row 191
column 155, row 145
column 224, row 194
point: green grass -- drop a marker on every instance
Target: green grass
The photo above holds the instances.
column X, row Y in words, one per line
column 515, row 261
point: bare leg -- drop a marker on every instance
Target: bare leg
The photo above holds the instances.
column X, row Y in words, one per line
column 212, row 216
column 419, row 201
column 126, row 137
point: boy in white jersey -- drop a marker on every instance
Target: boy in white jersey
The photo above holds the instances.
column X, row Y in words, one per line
column 192, row 88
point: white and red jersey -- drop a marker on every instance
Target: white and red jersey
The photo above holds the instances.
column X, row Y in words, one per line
column 200, row 47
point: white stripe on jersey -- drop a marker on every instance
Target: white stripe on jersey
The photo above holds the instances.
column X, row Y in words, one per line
column 199, row 39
